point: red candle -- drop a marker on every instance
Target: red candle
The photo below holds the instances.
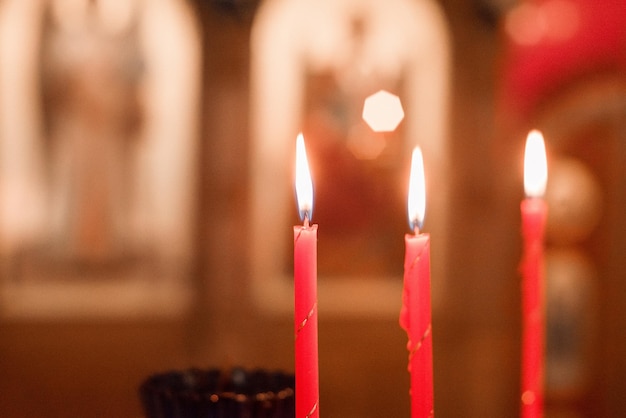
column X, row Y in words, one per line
column 415, row 316
column 305, row 284
column 534, row 215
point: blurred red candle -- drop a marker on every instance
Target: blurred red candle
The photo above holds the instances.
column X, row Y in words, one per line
column 305, row 284
column 534, row 215
column 415, row 316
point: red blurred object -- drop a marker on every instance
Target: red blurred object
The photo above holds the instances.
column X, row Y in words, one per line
column 550, row 43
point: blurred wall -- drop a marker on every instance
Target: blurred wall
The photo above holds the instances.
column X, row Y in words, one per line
column 92, row 365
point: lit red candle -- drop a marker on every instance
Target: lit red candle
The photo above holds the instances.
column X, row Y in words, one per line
column 305, row 284
column 534, row 215
column 415, row 316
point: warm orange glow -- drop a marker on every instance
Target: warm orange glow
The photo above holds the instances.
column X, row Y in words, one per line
column 115, row 17
column 417, row 190
column 535, row 165
column 304, row 185
column 525, row 24
column 363, row 144
column 554, row 20
column 563, row 19
column 383, row 111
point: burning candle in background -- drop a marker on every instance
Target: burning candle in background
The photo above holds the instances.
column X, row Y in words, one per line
column 305, row 284
column 415, row 316
column 534, row 215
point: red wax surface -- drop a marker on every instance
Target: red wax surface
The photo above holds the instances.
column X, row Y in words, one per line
column 415, row 319
column 534, row 216
column 305, row 321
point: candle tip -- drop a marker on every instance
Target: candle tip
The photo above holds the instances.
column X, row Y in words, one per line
column 416, row 225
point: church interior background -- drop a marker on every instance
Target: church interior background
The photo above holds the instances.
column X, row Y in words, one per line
column 146, row 196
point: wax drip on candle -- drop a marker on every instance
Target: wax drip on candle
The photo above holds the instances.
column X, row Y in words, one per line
column 413, row 344
column 305, row 320
column 312, row 411
column 419, row 344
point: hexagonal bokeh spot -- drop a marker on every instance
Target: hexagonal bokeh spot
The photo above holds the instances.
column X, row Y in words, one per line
column 382, row 111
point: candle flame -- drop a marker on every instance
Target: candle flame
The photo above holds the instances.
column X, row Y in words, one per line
column 304, row 185
column 535, row 165
column 417, row 190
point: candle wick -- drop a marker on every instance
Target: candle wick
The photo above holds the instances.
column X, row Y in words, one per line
column 306, row 220
column 415, row 225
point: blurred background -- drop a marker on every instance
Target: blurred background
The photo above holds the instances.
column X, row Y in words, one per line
column 146, row 196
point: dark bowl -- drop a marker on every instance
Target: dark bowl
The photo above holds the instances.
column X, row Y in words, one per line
column 213, row 393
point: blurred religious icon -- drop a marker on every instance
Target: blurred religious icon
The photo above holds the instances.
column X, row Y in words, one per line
column 313, row 65
column 91, row 70
column 572, row 289
column 575, row 198
column 111, row 168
